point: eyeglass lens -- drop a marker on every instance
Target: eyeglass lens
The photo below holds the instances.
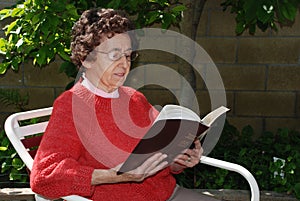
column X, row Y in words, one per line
column 116, row 55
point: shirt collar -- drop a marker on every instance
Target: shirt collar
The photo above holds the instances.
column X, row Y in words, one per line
column 99, row 92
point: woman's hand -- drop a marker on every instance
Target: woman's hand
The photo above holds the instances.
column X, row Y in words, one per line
column 150, row 167
column 189, row 158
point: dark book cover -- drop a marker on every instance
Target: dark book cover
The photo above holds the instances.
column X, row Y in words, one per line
column 167, row 136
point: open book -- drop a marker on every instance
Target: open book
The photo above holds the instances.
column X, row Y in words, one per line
column 174, row 130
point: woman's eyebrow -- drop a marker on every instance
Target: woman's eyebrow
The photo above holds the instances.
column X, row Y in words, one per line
column 119, row 49
column 128, row 49
column 115, row 48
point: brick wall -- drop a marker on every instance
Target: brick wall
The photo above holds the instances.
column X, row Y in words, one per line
column 261, row 73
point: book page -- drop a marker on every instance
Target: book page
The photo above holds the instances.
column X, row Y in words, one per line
column 212, row 116
column 177, row 112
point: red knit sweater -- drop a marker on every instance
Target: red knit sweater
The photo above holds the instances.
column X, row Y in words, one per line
column 72, row 147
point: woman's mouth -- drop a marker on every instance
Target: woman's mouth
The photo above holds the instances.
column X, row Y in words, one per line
column 119, row 74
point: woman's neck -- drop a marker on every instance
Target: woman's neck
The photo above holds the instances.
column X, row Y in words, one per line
column 97, row 91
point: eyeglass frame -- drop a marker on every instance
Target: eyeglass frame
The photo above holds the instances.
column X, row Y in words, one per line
column 128, row 57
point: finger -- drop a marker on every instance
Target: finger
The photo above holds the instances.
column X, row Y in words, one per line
column 196, row 147
column 181, row 156
column 197, row 144
column 154, row 158
column 182, row 159
column 190, row 152
column 196, row 152
column 194, row 156
column 188, row 162
column 153, row 162
column 157, row 168
column 200, row 152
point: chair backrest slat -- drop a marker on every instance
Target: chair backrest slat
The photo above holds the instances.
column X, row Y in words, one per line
column 20, row 135
column 22, row 131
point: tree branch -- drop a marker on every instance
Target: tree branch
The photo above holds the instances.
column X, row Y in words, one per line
column 188, row 27
column 198, row 9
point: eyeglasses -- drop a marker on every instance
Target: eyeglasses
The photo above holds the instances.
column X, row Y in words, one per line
column 116, row 54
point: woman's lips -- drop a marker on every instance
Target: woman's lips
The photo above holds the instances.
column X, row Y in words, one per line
column 120, row 74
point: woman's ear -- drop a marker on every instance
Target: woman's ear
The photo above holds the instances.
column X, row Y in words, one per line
column 87, row 62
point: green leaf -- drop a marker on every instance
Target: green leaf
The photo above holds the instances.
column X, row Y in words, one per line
column 58, row 6
column 72, row 10
column 297, row 190
column 3, row 67
column 3, row 44
column 45, row 28
column 179, row 8
column 4, row 13
column 247, row 131
column 14, row 175
column 250, row 8
column 37, row 19
column 167, row 20
column 5, row 142
column 152, row 16
column 3, row 148
column 263, row 15
column 114, row 4
column 17, row 163
column 10, row 27
column 17, row 12
column 41, row 56
column 240, row 28
column 5, row 167
column 252, row 28
column 16, row 62
column 64, row 55
column 289, row 11
column 243, row 152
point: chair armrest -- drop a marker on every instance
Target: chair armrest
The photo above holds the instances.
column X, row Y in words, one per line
column 67, row 198
column 255, row 194
column 75, row 198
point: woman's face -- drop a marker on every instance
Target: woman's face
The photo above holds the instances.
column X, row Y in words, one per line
column 103, row 72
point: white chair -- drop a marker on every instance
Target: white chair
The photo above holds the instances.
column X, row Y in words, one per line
column 23, row 146
column 17, row 134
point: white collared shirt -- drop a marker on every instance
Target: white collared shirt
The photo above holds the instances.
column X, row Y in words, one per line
column 99, row 92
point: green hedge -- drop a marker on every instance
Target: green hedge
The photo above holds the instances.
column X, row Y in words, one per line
column 255, row 155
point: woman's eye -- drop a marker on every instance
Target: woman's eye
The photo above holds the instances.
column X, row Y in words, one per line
column 115, row 55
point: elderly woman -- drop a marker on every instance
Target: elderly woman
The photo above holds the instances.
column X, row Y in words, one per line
column 84, row 143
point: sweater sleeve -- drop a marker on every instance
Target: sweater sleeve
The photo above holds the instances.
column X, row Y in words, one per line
column 56, row 171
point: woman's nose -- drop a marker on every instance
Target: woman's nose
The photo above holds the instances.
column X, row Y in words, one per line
column 125, row 61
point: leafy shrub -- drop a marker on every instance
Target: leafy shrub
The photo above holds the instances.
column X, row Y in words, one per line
column 255, row 155
column 10, row 162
